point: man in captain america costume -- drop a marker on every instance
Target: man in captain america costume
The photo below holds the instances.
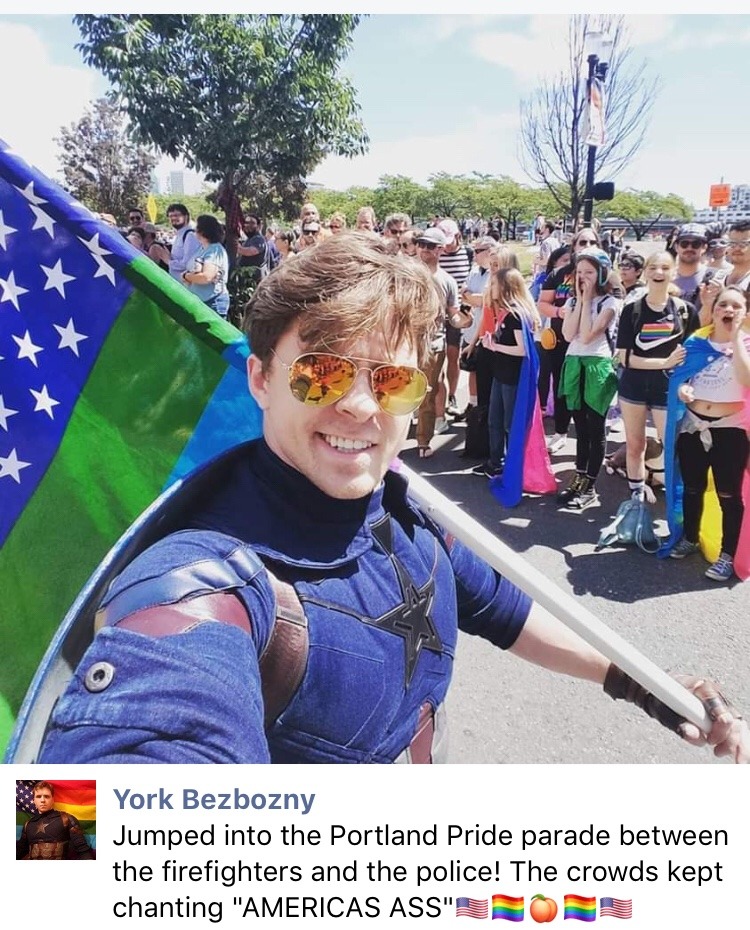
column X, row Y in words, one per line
column 305, row 610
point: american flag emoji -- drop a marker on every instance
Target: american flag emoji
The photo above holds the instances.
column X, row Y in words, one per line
column 471, row 907
column 616, row 907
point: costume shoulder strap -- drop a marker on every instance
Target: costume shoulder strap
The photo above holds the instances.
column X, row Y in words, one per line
column 182, row 598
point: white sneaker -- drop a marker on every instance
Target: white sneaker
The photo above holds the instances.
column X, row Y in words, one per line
column 441, row 425
column 556, row 442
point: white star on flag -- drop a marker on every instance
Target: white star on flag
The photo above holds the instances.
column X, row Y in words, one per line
column 43, row 221
column 92, row 245
column 56, row 278
column 69, row 338
column 28, row 193
column 103, row 269
column 5, row 230
column 5, row 414
column 27, row 349
column 44, row 401
column 11, row 465
column 11, row 290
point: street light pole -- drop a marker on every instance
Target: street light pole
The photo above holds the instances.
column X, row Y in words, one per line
column 598, row 64
column 588, row 200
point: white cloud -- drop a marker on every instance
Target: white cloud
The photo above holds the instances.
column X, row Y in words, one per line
column 482, row 143
column 39, row 97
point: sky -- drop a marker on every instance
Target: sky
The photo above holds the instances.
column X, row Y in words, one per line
column 442, row 93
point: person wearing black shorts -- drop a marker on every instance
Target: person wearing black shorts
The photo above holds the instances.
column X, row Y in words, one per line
column 649, row 343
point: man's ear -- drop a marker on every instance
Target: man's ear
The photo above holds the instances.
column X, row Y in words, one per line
column 257, row 382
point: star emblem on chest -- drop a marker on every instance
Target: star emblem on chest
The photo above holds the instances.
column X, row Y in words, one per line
column 412, row 618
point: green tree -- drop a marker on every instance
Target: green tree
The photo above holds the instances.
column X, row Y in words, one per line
column 253, row 102
column 642, row 210
column 450, row 195
column 553, row 119
column 101, row 165
column 396, row 193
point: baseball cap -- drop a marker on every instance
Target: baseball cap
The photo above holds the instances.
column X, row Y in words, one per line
column 691, row 231
column 432, row 234
column 449, row 228
column 486, row 242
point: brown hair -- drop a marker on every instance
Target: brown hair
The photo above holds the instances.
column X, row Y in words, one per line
column 345, row 288
column 43, row 784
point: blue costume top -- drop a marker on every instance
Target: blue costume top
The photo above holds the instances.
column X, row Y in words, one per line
column 384, row 595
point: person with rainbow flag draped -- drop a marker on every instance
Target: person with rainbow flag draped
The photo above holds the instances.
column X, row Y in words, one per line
column 519, row 460
column 708, row 418
column 51, row 833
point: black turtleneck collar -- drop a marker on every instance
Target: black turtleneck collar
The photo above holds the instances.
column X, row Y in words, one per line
column 282, row 515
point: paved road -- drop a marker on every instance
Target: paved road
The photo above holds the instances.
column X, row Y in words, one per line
column 504, row 710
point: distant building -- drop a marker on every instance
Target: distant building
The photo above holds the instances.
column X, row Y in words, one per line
column 154, row 185
column 177, row 182
column 738, row 209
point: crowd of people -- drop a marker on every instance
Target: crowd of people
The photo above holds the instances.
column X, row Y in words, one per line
column 605, row 326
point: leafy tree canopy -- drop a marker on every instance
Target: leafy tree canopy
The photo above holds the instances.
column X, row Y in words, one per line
column 644, row 209
column 253, row 102
column 101, row 166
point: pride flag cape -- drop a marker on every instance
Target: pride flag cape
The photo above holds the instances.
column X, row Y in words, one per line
column 698, row 350
column 75, row 797
column 114, row 382
column 527, row 463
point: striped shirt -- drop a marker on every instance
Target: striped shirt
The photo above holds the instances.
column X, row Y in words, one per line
column 457, row 264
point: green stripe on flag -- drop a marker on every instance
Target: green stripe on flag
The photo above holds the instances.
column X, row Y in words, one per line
column 138, row 409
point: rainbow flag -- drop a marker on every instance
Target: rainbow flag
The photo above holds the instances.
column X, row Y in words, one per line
column 114, row 382
column 578, row 908
column 74, row 797
column 506, row 908
column 662, row 330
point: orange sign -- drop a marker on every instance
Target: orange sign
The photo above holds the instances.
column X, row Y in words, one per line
column 720, row 195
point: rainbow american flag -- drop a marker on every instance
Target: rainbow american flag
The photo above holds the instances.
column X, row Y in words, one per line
column 505, row 907
column 115, row 381
column 578, row 908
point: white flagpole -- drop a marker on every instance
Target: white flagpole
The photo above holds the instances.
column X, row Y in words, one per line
column 560, row 604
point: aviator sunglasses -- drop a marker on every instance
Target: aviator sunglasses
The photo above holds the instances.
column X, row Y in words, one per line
column 319, row 379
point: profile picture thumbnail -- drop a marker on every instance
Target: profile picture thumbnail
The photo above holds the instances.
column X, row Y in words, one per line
column 55, row 819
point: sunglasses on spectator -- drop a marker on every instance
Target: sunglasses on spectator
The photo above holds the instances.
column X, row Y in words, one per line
column 626, row 266
column 135, row 217
column 479, row 251
column 310, row 232
column 690, row 243
column 334, row 225
column 586, row 242
column 426, row 245
column 738, row 244
column 319, row 379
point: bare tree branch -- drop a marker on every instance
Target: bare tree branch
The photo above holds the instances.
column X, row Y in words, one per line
column 553, row 149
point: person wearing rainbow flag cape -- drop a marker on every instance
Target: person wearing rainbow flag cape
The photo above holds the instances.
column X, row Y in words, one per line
column 49, row 833
column 707, row 428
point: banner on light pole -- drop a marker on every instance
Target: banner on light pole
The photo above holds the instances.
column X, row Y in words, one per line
column 596, row 133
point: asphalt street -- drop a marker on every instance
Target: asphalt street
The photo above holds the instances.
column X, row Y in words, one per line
column 501, row 709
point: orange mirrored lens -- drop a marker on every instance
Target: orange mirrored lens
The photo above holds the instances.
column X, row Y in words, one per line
column 320, row 379
column 399, row 389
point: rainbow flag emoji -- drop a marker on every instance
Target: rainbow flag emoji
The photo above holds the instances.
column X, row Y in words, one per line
column 506, row 908
column 578, row 908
